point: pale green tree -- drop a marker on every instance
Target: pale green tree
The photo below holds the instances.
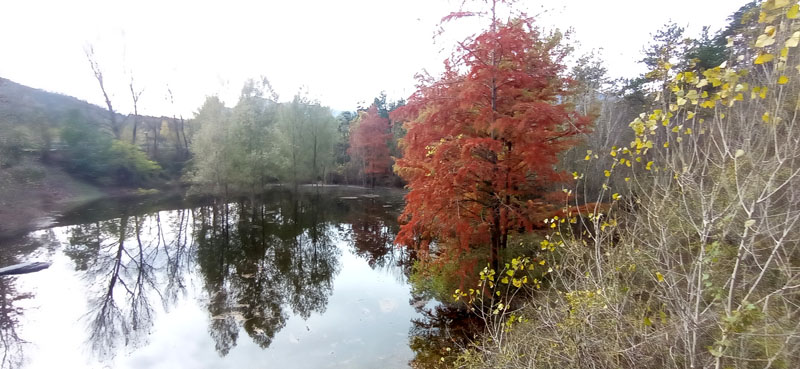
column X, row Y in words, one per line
column 210, row 146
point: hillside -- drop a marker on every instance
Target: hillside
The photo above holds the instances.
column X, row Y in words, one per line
column 20, row 104
column 31, row 118
column 37, row 173
column 34, row 193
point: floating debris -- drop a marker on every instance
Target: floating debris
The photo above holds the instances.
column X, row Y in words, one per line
column 24, row 268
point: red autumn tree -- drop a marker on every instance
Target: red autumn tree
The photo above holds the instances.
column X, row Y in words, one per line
column 482, row 141
column 369, row 144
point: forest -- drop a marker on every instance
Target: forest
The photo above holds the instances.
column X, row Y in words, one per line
column 581, row 221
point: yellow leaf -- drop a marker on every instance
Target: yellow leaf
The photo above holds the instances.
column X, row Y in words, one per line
column 681, row 101
column 764, row 58
column 763, row 93
column 660, row 277
column 608, row 174
column 792, row 13
column 627, row 179
column 765, row 117
column 666, row 145
column 690, row 115
column 782, row 80
column 765, row 40
column 708, row 104
column 739, row 153
column 703, row 82
column 649, row 165
column 615, row 196
column 775, row 4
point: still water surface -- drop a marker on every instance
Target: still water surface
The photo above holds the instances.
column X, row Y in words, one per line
column 305, row 279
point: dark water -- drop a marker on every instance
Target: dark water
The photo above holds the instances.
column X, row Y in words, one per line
column 305, row 279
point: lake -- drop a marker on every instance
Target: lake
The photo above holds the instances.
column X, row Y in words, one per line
column 290, row 279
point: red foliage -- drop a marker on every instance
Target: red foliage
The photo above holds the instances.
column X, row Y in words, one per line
column 369, row 143
column 482, row 142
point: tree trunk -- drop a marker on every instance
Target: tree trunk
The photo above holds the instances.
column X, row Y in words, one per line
column 156, row 130
column 178, row 150
column 314, row 159
column 185, row 141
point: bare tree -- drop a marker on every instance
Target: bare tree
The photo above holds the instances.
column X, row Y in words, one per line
column 178, row 127
column 98, row 74
column 135, row 94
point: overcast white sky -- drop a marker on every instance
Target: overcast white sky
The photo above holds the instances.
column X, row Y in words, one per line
column 344, row 52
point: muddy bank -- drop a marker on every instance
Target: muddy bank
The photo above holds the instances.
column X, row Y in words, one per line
column 33, row 194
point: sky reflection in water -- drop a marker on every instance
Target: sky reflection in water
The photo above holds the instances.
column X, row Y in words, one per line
column 306, row 280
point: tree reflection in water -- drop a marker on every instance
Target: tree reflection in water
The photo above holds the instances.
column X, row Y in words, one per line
column 372, row 231
column 266, row 258
column 260, row 261
column 9, row 318
column 10, row 313
column 120, row 260
column 437, row 336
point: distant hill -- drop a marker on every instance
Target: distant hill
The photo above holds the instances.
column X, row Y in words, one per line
column 29, row 117
column 20, row 105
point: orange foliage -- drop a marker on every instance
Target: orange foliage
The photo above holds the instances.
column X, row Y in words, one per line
column 369, row 143
column 482, row 141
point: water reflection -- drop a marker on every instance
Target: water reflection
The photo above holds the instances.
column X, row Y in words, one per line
column 11, row 297
column 438, row 335
column 120, row 267
column 372, row 229
column 260, row 260
column 9, row 318
column 257, row 261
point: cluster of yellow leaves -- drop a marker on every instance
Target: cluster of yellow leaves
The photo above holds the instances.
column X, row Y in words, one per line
column 512, row 278
column 713, row 90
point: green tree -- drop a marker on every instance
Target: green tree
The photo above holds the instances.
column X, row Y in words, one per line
column 307, row 138
column 211, row 147
column 98, row 157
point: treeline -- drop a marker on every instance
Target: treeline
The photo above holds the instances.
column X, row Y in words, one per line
column 220, row 150
column 262, row 141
